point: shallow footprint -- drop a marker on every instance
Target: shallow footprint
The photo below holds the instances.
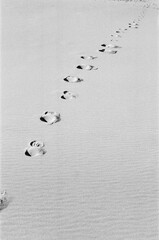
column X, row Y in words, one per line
column 110, row 51
column 110, row 46
column 68, row 95
column 88, row 57
column 73, row 79
column 50, row 117
column 86, row 67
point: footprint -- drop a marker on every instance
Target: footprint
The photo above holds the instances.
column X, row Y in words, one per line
column 86, row 67
column 117, row 35
column 36, row 148
column 135, row 25
column 110, row 46
column 50, row 117
column 4, row 200
column 110, row 51
column 88, row 57
column 72, row 79
column 102, row 50
column 68, row 95
column 103, row 45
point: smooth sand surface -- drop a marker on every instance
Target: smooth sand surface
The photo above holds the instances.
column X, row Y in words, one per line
column 98, row 179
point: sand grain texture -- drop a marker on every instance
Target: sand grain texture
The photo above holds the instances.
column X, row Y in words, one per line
column 98, row 179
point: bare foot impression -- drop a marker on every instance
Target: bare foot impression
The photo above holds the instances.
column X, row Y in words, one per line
column 35, row 148
column 109, row 51
column 73, row 79
column 3, row 200
column 86, row 67
column 110, row 46
column 68, row 95
column 102, row 50
column 88, row 57
column 50, row 117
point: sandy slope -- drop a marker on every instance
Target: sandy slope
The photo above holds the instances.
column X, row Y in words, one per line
column 98, row 179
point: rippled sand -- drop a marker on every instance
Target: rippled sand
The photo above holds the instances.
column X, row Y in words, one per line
column 98, row 179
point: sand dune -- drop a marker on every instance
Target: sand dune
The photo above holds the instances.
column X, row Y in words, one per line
column 92, row 173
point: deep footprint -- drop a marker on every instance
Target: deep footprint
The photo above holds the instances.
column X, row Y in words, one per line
column 86, row 67
column 73, row 79
column 68, row 95
column 50, row 117
column 35, row 148
column 88, row 57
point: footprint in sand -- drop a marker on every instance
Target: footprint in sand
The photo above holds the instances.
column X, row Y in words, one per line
column 68, row 95
column 102, row 50
column 35, row 148
column 50, row 117
column 88, row 57
column 109, row 51
column 73, row 79
column 118, row 36
column 4, row 200
column 121, row 30
column 86, row 67
column 110, row 46
column 135, row 25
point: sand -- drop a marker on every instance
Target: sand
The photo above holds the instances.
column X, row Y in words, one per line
column 98, row 179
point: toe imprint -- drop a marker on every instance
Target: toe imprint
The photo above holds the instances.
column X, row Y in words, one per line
column 36, row 143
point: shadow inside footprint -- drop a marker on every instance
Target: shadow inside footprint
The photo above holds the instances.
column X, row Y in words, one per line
column 50, row 117
column 68, row 95
column 88, row 57
column 35, row 148
column 73, row 79
column 86, row 67
column 109, row 51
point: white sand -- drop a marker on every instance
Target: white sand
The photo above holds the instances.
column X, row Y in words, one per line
column 98, row 179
